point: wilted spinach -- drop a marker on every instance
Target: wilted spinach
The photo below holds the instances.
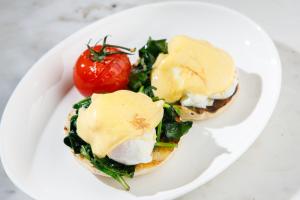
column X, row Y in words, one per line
column 140, row 75
column 171, row 128
column 83, row 103
column 108, row 166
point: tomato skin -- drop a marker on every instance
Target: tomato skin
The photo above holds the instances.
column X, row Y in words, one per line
column 108, row 75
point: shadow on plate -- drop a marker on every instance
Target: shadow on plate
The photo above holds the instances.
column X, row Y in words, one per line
column 188, row 162
column 250, row 86
column 270, row 169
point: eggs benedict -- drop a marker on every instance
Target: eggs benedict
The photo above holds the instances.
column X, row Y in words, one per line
column 193, row 74
column 123, row 134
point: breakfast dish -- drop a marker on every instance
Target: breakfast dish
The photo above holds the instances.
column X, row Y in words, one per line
column 192, row 74
column 125, row 133
column 31, row 148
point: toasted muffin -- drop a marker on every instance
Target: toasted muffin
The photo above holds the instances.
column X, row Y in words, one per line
column 193, row 113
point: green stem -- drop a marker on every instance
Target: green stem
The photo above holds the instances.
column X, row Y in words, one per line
column 155, row 98
column 116, row 52
column 167, row 105
column 141, row 89
column 121, row 180
column 158, row 134
column 120, row 47
column 165, row 144
column 82, row 103
column 98, row 56
column 177, row 109
column 111, row 173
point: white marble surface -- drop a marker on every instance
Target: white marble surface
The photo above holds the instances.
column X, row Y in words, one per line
column 271, row 167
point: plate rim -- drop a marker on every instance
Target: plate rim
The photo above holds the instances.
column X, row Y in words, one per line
column 168, row 194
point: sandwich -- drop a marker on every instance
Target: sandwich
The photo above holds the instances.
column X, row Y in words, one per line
column 123, row 133
column 199, row 79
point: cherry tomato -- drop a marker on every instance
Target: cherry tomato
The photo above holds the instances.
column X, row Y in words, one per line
column 98, row 73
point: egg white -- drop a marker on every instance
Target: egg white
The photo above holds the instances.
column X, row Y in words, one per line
column 201, row 101
column 135, row 151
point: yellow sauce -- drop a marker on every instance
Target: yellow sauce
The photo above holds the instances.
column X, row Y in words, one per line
column 113, row 118
column 191, row 66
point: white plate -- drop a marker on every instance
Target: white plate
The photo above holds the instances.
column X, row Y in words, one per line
column 32, row 149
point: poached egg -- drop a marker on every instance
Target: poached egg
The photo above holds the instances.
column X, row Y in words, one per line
column 193, row 72
column 202, row 101
column 121, row 125
column 135, row 151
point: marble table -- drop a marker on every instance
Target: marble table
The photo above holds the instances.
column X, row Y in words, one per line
column 270, row 169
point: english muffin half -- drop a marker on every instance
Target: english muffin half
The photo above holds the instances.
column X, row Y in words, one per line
column 123, row 134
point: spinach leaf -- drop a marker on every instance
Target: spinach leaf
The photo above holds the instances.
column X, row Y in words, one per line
column 106, row 165
column 73, row 123
column 74, row 142
column 83, row 103
column 172, row 127
column 140, row 74
column 137, row 80
column 113, row 166
column 114, row 169
column 150, row 51
column 158, row 131
column 170, row 115
column 174, row 130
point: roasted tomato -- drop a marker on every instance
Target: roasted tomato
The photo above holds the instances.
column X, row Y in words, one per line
column 102, row 68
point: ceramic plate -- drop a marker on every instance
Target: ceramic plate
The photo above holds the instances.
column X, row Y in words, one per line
column 32, row 149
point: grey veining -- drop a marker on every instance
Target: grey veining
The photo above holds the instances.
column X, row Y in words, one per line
column 269, row 170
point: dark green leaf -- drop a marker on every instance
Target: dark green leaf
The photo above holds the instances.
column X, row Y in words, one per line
column 169, row 113
column 151, row 50
column 73, row 123
column 137, row 80
column 155, row 99
column 83, row 103
column 158, row 131
column 106, row 165
column 148, row 90
column 174, row 131
column 112, row 167
column 185, row 126
column 140, row 75
column 172, row 127
column 74, row 142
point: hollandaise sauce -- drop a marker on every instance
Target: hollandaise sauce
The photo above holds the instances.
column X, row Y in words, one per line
column 191, row 66
column 116, row 117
